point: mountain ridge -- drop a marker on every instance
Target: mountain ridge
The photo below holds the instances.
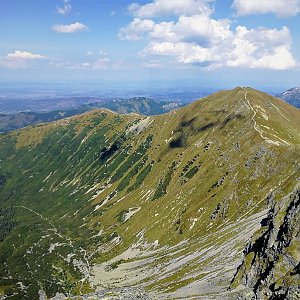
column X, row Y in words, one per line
column 141, row 105
column 168, row 202
column 291, row 96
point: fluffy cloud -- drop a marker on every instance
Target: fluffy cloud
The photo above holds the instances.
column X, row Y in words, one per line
column 185, row 53
column 24, row 55
column 188, row 28
column 65, row 9
column 198, row 28
column 201, row 40
column 159, row 8
column 19, row 59
column 70, row 28
column 261, row 48
column 281, row 8
column 134, row 31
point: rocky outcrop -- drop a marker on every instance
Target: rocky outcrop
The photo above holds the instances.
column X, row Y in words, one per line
column 168, row 203
column 271, row 264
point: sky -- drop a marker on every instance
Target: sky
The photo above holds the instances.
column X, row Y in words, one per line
column 206, row 42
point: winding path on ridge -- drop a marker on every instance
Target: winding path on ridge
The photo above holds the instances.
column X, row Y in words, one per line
column 256, row 127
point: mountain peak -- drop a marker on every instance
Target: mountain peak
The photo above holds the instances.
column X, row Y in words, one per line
column 99, row 192
column 273, row 120
column 291, row 96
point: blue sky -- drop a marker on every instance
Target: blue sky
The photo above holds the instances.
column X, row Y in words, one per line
column 209, row 42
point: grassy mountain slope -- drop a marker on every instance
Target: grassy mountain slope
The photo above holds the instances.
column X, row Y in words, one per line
column 139, row 105
column 166, row 203
column 16, row 121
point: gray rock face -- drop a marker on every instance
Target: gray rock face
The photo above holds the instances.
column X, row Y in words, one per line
column 271, row 265
column 125, row 293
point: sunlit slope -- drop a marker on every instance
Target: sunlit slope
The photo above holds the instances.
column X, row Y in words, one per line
column 80, row 191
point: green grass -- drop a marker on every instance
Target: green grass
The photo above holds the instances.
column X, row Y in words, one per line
column 57, row 170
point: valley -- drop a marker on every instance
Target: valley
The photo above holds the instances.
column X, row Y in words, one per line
column 163, row 205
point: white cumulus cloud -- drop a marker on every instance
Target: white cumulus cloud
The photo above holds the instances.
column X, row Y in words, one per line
column 197, row 28
column 160, row 8
column 134, row 30
column 69, row 28
column 196, row 38
column 281, row 8
column 261, row 48
column 24, row 55
column 20, row 59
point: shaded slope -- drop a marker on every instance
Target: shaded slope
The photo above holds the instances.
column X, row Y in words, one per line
column 96, row 189
column 291, row 96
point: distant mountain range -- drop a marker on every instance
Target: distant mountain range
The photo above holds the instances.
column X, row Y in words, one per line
column 291, row 96
column 140, row 105
column 202, row 202
column 59, row 108
column 14, row 99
